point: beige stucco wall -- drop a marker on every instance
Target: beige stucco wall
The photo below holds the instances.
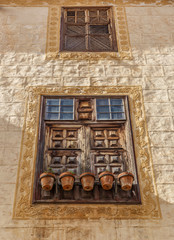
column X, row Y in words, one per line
column 23, row 32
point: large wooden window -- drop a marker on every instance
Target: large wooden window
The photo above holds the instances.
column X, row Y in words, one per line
column 85, row 134
column 88, row 29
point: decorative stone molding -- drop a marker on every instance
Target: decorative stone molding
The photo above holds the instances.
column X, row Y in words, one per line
column 24, row 209
column 53, row 36
column 53, row 32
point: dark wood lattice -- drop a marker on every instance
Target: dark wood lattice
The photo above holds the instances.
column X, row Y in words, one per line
column 88, row 29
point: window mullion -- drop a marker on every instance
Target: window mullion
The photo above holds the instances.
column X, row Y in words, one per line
column 82, row 144
column 76, row 16
column 73, row 109
column 110, row 27
column 87, row 28
column 87, row 146
column 98, row 16
column 59, row 108
column 110, row 109
column 65, row 15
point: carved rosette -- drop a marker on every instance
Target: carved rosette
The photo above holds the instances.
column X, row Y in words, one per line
column 23, row 209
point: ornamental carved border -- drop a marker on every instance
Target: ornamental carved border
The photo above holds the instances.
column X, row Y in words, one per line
column 23, row 208
column 53, row 38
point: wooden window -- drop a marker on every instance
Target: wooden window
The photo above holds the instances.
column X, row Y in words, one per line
column 88, row 29
column 59, row 109
column 85, row 134
column 110, row 109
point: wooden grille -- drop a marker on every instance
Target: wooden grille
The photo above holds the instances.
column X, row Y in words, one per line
column 88, row 29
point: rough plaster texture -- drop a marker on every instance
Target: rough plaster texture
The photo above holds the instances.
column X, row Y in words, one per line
column 22, row 63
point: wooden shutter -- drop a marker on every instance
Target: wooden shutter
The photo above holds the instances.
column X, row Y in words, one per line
column 88, row 29
column 99, row 30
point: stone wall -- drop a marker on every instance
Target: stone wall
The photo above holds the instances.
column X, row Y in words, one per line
column 23, row 32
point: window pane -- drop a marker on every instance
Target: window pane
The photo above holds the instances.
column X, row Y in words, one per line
column 70, row 13
column 118, row 116
column 116, row 101
column 117, row 109
column 52, row 116
column 102, row 101
column 103, row 109
column 67, row 102
column 52, row 109
column 66, row 109
column 110, row 109
column 66, row 116
column 52, row 102
column 103, row 116
column 59, row 109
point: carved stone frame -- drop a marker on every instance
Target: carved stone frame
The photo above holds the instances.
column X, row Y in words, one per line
column 53, row 37
column 23, row 207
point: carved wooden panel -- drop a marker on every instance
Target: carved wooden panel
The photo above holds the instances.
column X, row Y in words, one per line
column 113, row 161
column 85, row 109
column 62, row 149
column 64, row 138
column 105, row 138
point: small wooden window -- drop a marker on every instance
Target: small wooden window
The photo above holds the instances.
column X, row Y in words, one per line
column 85, row 134
column 59, row 109
column 88, row 29
column 110, row 109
